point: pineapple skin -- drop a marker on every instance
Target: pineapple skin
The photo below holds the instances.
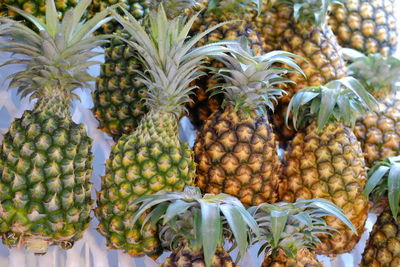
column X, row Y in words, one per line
column 45, row 167
column 383, row 246
column 236, row 154
column 367, row 26
column 148, row 160
column 118, row 98
column 203, row 105
column 329, row 165
column 379, row 131
column 35, row 8
column 303, row 258
column 187, row 257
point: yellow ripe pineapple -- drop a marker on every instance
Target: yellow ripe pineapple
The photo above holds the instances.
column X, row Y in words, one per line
column 382, row 248
column 243, row 11
column 236, row 149
column 379, row 130
column 325, row 160
column 152, row 158
column 300, row 28
column 368, row 26
column 291, row 231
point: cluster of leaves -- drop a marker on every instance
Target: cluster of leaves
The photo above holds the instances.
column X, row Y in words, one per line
column 341, row 100
column 375, row 71
column 251, row 82
column 204, row 222
column 384, row 179
column 308, row 11
column 221, row 7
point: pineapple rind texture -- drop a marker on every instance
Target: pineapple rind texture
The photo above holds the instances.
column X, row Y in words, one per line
column 236, row 153
column 379, row 131
column 303, row 258
column 187, row 257
column 118, row 98
column 45, row 167
column 367, row 26
column 148, row 160
column 383, row 245
column 329, row 165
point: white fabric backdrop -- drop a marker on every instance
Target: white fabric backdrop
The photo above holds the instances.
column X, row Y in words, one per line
column 91, row 250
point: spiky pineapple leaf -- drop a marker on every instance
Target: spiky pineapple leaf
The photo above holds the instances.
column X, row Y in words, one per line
column 394, row 189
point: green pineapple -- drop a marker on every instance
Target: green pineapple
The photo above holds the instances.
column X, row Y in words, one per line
column 152, row 158
column 290, row 232
column 195, row 227
column 45, row 158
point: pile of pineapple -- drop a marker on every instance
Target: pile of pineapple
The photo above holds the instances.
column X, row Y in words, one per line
column 255, row 78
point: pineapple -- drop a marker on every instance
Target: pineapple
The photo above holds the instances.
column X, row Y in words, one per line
column 379, row 130
column 305, row 34
column 203, row 103
column 236, row 149
column 368, row 26
column 195, row 226
column 118, row 98
column 291, row 231
column 45, row 158
column 325, row 160
column 152, row 158
column 382, row 248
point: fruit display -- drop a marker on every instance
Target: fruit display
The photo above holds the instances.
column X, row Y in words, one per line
column 382, row 246
column 236, row 151
column 324, row 160
column 378, row 131
column 291, row 231
column 46, row 158
column 307, row 35
column 152, row 158
column 243, row 133
column 241, row 13
column 368, row 26
column 196, row 227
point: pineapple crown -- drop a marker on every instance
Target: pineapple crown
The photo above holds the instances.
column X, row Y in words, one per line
column 378, row 73
column 174, row 7
column 293, row 226
column 251, row 82
column 307, row 11
column 55, row 59
column 170, row 61
column 341, row 100
column 221, row 7
column 384, row 179
column 200, row 221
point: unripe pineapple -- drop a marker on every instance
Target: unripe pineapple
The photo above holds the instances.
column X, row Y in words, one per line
column 195, row 227
column 325, row 160
column 291, row 231
column 379, row 130
column 382, row 248
column 236, row 150
column 368, row 26
column 45, row 158
column 152, row 158
column 299, row 27
column 204, row 103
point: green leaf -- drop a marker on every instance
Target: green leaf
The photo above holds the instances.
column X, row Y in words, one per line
column 237, row 225
column 375, row 178
column 328, row 101
column 278, row 224
column 175, row 208
column 210, row 229
column 51, row 18
column 394, row 189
